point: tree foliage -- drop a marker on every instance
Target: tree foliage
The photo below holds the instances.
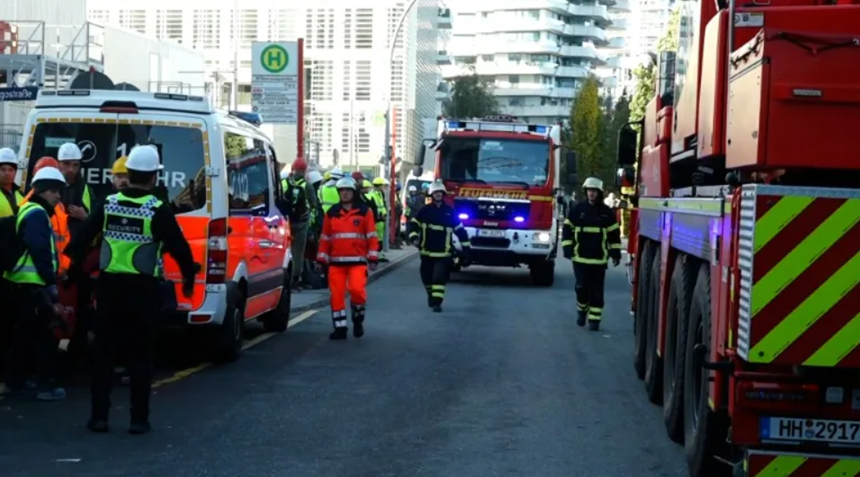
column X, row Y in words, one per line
column 588, row 126
column 645, row 74
column 471, row 97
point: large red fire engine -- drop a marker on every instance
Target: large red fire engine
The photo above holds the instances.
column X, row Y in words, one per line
column 746, row 238
column 502, row 177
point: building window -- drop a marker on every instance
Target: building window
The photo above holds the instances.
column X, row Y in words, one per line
column 207, row 29
column 322, row 77
column 362, row 80
column 347, row 80
column 364, row 28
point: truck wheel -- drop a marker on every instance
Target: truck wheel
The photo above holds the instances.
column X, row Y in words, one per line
column 278, row 320
column 640, row 318
column 653, row 365
column 674, row 359
column 704, row 429
column 543, row 273
column 230, row 335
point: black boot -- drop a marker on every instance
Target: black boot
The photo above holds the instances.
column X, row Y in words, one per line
column 358, row 321
column 594, row 325
column 338, row 334
column 580, row 318
column 437, row 308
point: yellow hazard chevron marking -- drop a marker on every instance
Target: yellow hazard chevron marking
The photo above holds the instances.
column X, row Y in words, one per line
column 782, row 466
column 805, row 315
column 838, row 346
column 775, row 219
column 843, row 468
column 804, row 254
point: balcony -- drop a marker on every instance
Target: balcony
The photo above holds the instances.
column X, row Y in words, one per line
column 499, row 23
column 613, row 62
column 615, row 43
column 620, row 6
column 537, row 111
column 488, row 47
column 595, row 34
column 534, row 90
column 443, row 18
column 598, row 13
column 618, row 24
column 555, row 6
column 523, row 68
column 442, row 92
column 453, row 71
column 443, row 58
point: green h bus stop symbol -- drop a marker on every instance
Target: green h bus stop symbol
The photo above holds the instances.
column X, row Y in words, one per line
column 274, row 58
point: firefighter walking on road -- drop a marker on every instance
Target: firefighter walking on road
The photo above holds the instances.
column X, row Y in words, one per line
column 591, row 237
column 348, row 246
column 431, row 230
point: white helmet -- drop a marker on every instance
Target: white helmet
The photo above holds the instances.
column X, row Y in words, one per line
column 285, row 172
column 336, row 173
column 8, row 156
column 437, row 186
column 412, row 188
column 69, row 152
column 49, row 174
column 144, row 159
column 593, row 183
column 314, row 176
column 345, row 183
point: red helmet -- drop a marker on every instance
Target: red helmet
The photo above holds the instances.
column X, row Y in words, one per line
column 358, row 176
column 44, row 162
column 300, row 165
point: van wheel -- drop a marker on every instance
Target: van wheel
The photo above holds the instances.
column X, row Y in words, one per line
column 278, row 320
column 653, row 364
column 543, row 273
column 640, row 318
column 231, row 335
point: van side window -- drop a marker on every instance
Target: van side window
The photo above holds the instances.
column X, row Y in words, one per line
column 247, row 176
column 276, row 173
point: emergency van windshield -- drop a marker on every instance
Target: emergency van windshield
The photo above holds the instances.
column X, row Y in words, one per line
column 181, row 183
column 501, row 161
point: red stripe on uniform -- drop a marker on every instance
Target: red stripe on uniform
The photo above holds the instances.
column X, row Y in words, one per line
column 814, row 467
column 757, row 463
column 792, row 234
column 822, row 330
column 804, row 285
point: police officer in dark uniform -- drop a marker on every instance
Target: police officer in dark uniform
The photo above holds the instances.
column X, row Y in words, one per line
column 136, row 229
column 591, row 237
column 430, row 230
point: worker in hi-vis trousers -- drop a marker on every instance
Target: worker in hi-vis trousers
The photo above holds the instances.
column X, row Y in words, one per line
column 348, row 246
column 591, row 237
column 430, row 230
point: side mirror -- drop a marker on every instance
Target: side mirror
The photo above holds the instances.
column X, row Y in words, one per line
column 627, row 139
column 570, row 162
column 625, row 177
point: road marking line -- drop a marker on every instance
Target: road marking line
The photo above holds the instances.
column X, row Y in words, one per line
column 179, row 375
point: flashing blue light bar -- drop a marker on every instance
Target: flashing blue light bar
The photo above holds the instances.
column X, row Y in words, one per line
column 519, row 219
column 455, row 125
column 463, row 216
column 540, row 129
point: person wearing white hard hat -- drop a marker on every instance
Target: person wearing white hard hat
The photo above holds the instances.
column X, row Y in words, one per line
column 136, row 227
column 431, row 230
column 33, row 294
column 11, row 195
column 77, row 197
column 590, row 238
column 328, row 195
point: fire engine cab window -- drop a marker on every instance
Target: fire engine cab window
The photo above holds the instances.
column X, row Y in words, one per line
column 182, row 182
column 247, row 175
column 495, row 161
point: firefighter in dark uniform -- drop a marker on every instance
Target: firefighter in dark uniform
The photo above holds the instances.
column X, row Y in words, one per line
column 431, row 229
column 136, row 228
column 591, row 237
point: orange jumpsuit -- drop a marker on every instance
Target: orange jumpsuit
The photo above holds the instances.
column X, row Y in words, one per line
column 347, row 243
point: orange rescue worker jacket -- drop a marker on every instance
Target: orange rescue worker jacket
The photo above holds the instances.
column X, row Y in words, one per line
column 60, row 224
column 348, row 236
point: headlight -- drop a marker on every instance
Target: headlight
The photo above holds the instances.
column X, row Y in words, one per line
column 542, row 237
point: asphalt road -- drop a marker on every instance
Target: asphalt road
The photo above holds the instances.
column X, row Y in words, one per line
column 502, row 383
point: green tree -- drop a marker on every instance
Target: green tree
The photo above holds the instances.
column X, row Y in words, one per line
column 587, row 124
column 471, row 97
column 616, row 118
column 645, row 74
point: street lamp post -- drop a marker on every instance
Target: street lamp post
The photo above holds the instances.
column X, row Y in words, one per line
column 390, row 226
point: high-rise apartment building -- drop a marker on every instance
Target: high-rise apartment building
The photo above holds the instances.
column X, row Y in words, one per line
column 536, row 53
column 349, row 80
column 617, row 71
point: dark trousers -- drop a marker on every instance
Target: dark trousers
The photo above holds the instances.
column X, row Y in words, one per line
column 589, row 289
column 434, row 276
column 33, row 344
column 129, row 334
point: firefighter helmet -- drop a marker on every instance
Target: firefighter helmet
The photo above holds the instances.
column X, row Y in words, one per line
column 437, row 186
column 593, row 183
column 378, row 181
column 346, row 183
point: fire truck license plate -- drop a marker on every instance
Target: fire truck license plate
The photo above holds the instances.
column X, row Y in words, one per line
column 491, row 233
column 791, row 429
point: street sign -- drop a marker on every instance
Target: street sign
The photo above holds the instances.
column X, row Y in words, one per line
column 26, row 93
column 275, row 81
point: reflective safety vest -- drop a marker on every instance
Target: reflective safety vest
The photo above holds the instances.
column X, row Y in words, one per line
column 379, row 199
column 25, row 269
column 329, row 196
column 60, row 224
column 7, row 209
column 127, row 242
column 87, row 200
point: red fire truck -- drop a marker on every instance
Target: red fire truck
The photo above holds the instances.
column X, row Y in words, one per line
column 502, row 177
column 746, row 235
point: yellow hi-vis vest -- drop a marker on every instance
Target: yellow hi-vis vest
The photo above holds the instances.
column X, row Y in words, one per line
column 128, row 245
column 329, row 196
column 25, row 269
column 7, row 209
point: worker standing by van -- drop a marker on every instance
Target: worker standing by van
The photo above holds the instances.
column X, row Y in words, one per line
column 590, row 237
column 11, row 195
column 136, row 227
column 34, row 297
column 302, row 201
column 348, row 247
